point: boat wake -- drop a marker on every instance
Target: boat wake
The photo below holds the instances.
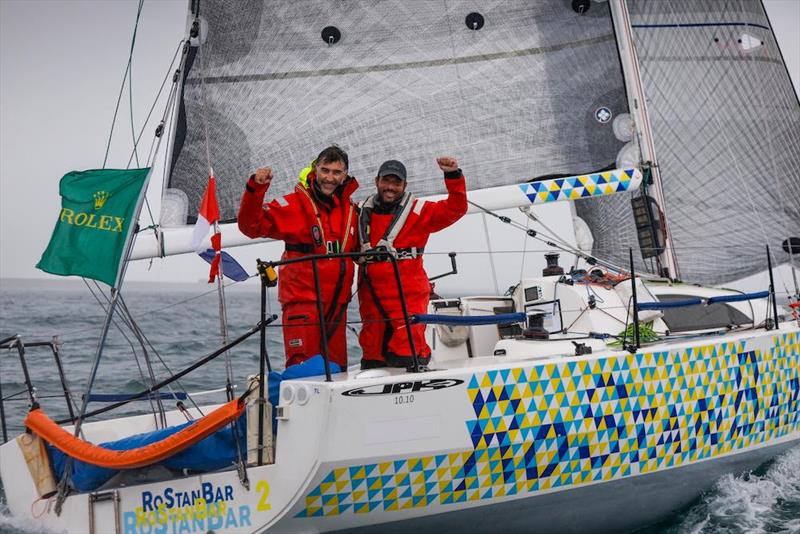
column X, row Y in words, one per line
column 766, row 500
column 18, row 525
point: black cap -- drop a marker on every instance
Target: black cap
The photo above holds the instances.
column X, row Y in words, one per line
column 392, row 168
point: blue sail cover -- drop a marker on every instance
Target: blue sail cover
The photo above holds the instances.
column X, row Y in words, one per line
column 217, row 451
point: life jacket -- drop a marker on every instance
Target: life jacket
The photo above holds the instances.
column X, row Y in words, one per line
column 320, row 245
column 386, row 243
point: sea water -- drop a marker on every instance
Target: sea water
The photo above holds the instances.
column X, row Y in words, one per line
column 182, row 324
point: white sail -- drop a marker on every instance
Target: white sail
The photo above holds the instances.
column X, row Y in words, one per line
column 726, row 129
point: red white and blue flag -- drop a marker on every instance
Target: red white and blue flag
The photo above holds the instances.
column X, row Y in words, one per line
column 207, row 218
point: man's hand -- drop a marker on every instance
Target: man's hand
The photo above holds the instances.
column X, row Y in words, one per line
column 447, row 163
column 263, row 176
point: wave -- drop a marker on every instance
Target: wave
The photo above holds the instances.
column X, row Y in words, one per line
column 765, row 500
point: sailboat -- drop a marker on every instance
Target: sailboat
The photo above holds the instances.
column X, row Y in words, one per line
column 599, row 398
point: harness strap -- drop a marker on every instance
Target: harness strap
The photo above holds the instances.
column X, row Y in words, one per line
column 350, row 210
column 337, row 290
column 381, row 254
column 388, row 329
column 305, row 248
column 309, row 248
column 398, row 222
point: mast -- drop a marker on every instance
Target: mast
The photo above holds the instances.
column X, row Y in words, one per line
column 667, row 260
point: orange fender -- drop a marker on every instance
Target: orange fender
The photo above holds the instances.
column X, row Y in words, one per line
column 150, row 454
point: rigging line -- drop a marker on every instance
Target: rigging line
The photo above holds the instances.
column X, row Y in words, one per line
column 553, row 235
column 148, row 364
column 200, row 48
column 602, row 309
column 223, row 312
column 165, row 166
column 223, row 320
column 193, row 367
column 130, row 322
column 554, row 243
column 768, row 134
column 169, row 115
column 124, row 335
column 122, row 87
column 771, row 87
column 130, row 106
column 491, row 257
column 524, row 248
column 157, row 310
column 540, row 251
column 149, row 156
column 163, row 363
column 155, row 102
column 63, row 484
column 742, row 180
column 153, row 144
column 150, row 163
column 133, row 325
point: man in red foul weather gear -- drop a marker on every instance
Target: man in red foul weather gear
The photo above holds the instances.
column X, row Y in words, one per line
column 394, row 221
column 315, row 219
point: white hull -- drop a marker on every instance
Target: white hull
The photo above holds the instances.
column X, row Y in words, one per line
column 676, row 417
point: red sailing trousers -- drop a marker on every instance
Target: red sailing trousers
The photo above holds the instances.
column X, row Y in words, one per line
column 302, row 337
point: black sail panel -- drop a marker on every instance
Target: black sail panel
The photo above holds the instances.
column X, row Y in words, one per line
column 532, row 92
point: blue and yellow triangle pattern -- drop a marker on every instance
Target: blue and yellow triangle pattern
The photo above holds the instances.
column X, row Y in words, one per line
column 574, row 422
column 577, row 187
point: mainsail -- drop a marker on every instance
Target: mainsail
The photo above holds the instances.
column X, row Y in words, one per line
column 530, row 89
column 726, row 128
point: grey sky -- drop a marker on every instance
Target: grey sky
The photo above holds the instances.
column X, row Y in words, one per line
column 61, row 64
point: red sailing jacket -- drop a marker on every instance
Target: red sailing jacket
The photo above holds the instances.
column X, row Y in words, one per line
column 308, row 226
column 425, row 218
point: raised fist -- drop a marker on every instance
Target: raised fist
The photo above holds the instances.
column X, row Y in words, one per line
column 263, row 176
column 447, row 163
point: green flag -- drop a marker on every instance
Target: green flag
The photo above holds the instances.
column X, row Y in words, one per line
column 95, row 222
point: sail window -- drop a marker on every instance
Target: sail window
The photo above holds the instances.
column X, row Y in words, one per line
column 703, row 317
